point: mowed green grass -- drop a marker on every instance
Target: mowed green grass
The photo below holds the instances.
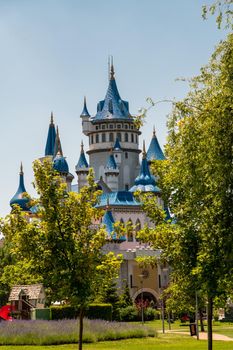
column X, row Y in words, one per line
column 163, row 342
column 218, row 327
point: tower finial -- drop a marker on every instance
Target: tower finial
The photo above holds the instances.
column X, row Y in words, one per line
column 21, row 169
column 82, row 151
column 112, row 69
column 51, row 121
column 144, row 150
column 153, row 131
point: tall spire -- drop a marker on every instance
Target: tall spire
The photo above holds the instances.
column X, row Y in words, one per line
column 112, row 72
column 57, row 144
column 144, row 150
column 154, row 131
column 49, row 148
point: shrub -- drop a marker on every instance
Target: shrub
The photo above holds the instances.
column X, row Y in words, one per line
column 129, row 314
column 94, row 311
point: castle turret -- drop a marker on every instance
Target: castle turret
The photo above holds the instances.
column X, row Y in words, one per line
column 85, row 118
column 114, row 124
column 145, row 182
column 154, row 151
column 111, row 173
column 82, row 169
column 19, row 198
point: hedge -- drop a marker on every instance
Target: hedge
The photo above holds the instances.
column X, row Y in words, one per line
column 94, row 311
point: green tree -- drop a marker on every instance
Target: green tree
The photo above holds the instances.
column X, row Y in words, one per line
column 62, row 245
column 197, row 184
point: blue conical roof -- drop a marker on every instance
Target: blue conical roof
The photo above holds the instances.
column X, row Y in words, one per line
column 82, row 162
column 19, row 195
column 154, row 151
column 111, row 163
column 109, row 222
column 60, row 164
column 85, row 112
column 145, row 182
column 49, row 148
column 117, row 145
column 112, row 107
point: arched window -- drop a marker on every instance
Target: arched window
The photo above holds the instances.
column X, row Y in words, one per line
column 126, row 137
column 138, row 228
column 111, row 137
column 103, row 137
column 92, row 139
column 130, row 230
column 119, row 136
column 97, row 138
column 132, row 137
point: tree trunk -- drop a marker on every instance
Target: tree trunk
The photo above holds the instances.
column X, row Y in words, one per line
column 201, row 321
column 209, row 322
column 81, row 316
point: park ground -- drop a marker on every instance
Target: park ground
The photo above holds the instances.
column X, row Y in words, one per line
column 176, row 339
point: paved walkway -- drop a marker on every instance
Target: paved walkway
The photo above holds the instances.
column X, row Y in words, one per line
column 203, row 335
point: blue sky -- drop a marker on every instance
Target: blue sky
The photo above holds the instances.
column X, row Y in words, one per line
column 53, row 52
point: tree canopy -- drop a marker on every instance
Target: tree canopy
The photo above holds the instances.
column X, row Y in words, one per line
column 62, row 245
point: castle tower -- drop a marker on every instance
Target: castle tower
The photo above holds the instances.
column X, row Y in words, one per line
column 19, row 197
column 49, row 148
column 112, row 121
column 82, row 169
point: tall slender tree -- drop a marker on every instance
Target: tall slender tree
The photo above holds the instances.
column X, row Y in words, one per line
column 63, row 244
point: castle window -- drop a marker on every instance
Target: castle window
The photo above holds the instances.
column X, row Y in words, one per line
column 126, row 155
column 97, row 138
column 126, row 126
column 119, row 136
column 132, row 137
column 138, row 228
column 131, row 126
column 97, row 127
column 111, row 137
column 92, row 139
column 103, row 126
column 103, row 137
column 110, row 126
column 126, row 137
column 126, row 187
column 130, row 231
column 118, row 126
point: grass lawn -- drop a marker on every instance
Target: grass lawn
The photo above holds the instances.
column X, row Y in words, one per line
column 163, row 342
column 224, row 328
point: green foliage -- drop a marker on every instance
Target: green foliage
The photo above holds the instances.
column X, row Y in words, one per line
column 94, row 311
column 223, row 11
column 61, row 247
column 132, row 314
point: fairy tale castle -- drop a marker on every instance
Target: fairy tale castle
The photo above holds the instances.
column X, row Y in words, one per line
column 114, row 155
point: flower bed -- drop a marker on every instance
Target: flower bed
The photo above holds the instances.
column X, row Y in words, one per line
column 66, row 331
